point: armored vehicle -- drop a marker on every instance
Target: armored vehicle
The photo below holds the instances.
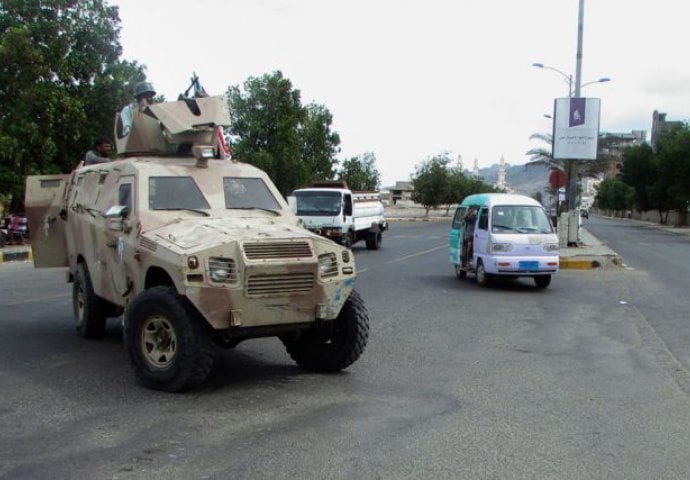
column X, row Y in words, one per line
column 196, row 250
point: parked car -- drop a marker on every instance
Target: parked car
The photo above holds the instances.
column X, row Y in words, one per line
column 584, row 213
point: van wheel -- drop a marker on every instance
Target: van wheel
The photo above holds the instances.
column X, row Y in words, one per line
column 168, row 344
column 482, row 276
column 374, row 240
column 460, row 272
column 542, row 281
column 336, row 345
column 90, row 310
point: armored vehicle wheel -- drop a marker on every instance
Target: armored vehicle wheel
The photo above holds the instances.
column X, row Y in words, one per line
column 542, row 281
column 374, row 240
column 90, row 310
column 168, row 344
column 335, row 346
column 482, row 276
column 460, row 272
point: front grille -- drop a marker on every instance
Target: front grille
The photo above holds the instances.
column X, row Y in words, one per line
column 147, row 244
column 280, row 284
column 275, row 250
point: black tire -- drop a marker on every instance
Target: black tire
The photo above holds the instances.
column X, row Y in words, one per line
column 90, row 310
column 542, row 281
column 374, row 240
column 168, row 343
column 460, row 272
column 334, row 346
column 482, row 276
column 347, row 240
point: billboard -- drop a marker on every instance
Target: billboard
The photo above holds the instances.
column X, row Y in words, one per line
column 575, row 128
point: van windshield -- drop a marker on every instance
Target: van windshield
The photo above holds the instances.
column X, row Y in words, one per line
column 519, row 219
column 318, row 203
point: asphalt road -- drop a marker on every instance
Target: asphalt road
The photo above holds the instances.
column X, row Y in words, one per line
column 573, row 382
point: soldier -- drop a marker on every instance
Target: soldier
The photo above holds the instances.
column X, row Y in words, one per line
column 143, row 97
column 100, row 153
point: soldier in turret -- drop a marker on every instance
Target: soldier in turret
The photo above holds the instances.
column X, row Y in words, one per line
column 143, row 97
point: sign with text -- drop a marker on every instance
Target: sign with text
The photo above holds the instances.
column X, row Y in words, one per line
column 576, row 128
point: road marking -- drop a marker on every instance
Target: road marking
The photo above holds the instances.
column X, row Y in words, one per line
column 41, row 299
column 412, row 255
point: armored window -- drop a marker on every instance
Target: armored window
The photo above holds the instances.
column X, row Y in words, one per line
column 124, row 196
column 248, row 193
column 175, row 193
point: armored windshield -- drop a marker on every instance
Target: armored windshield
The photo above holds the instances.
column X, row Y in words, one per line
column 248, row 193
column 318, row 203
column 175, row 193
column 519, row 219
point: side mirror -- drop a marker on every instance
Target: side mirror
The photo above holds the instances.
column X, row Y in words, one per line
column 115, row 217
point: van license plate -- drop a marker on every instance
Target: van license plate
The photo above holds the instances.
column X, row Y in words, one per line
column 529, row 265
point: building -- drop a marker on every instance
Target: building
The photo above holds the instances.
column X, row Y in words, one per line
column 612, row 145
column 660, row 125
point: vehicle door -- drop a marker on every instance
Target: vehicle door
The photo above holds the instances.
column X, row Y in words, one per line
column 121, row 233
column 481, row 233
column 347, row 211
column 44, row 202
column 455, row 236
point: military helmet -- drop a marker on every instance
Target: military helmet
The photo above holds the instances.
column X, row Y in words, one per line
column 143, row 87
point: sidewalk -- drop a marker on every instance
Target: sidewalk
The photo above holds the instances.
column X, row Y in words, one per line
column 589, row 254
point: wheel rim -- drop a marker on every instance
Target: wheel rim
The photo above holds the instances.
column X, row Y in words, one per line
column 79, row 303
column 158, row 342
column 481, row 274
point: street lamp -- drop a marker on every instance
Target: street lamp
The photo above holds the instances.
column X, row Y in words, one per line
column 569, row 78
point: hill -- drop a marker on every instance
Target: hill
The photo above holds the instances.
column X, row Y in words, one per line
column 520, row 178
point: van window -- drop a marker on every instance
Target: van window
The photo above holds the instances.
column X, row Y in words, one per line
column 520, row 219
column 457, row 219
column 483, row 219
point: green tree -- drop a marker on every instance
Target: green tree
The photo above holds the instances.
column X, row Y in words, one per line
column 641, row 172
column 271, row 129
column 360, row 172
column 430, row 182
column 60, row 85
column 614, row 194
column 673, row 156
column 319, row 145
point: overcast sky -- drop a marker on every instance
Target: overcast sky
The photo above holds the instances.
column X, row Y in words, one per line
column 408, row 79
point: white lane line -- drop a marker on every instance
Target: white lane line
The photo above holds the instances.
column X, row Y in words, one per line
column 424, row 252
column 32, row 300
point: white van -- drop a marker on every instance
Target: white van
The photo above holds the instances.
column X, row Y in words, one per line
column 513, row 237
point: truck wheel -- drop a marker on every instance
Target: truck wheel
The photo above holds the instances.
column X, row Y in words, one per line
column 482, row 276
column 90, row 310
column 542, row 281
column 333, row 347
column 347, row 240
column 169, row 346
column 374, row 240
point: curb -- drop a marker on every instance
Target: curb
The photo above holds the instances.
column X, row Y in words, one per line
column 602, row 261
column 20, row 256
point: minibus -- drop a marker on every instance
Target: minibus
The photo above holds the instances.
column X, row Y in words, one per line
column 513, row 237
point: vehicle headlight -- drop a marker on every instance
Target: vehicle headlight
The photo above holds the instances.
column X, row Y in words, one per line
column 328, row 265
column 501, row 247
column 551, row 247
column 222, row 270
